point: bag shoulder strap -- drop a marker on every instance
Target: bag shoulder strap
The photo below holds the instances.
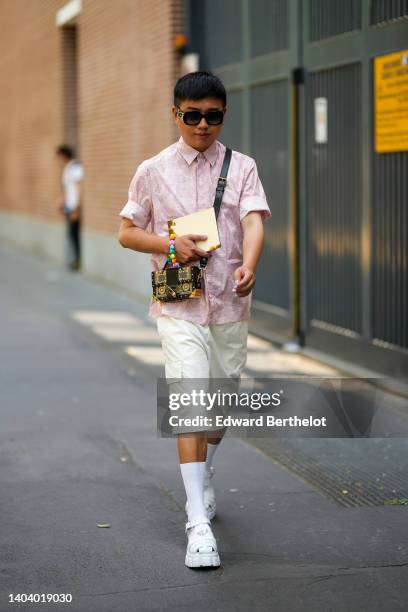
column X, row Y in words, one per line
column 222, row 181
column 219, row 192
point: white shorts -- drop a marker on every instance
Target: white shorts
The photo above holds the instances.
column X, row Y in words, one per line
column 194, row 351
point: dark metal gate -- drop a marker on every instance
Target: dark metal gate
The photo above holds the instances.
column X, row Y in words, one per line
column 354, row 235
column 300, row 86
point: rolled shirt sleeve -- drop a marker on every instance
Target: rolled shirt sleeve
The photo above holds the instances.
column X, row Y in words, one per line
column 253, row 196
column 138, row 208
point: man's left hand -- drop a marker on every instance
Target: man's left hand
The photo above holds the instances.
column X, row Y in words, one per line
column 245, row 279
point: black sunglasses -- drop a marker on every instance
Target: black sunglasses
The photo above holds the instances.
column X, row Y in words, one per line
column 193, row 117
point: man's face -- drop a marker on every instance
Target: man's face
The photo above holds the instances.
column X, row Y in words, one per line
column 200, row 136
column 61, row 160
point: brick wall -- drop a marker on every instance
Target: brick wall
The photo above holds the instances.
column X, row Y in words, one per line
column 126, row 72
column 30, row 105
column 126, row 79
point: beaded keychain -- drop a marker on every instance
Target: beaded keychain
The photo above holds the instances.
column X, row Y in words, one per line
column 171, row 259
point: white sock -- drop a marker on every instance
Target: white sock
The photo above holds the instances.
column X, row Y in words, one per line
column 193, row 477
column 211, row 448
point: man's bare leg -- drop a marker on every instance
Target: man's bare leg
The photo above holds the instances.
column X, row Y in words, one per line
column 213, row 441
column 192, row 447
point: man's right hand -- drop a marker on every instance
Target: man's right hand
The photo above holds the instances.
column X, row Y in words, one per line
column 187, row 250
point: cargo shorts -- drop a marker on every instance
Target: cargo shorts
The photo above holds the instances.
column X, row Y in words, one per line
column 210, row 356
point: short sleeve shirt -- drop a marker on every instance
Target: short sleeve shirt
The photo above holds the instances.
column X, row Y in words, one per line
column 181, row 180
column 71, row 175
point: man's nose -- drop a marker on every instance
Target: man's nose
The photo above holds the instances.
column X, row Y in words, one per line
column 201, row 124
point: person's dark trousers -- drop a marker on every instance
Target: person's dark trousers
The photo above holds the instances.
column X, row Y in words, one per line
column 73, row 230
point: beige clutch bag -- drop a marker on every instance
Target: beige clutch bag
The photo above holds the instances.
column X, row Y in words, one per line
column 201, row 222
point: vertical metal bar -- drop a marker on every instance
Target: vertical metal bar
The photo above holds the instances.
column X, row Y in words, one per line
column 398, row 255
column 302, row 236
column 294, row 24
column 388, row 238
column 404, row 254
column 246, row 46
column 392, row 209
column 327, row 79
column 366, row 148
column 338, row 314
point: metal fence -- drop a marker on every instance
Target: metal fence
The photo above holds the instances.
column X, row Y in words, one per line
column 334, row 269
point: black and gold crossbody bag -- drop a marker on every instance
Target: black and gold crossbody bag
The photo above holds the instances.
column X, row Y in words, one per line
column 175, row 284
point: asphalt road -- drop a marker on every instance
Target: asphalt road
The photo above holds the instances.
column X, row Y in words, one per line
column 78, row 448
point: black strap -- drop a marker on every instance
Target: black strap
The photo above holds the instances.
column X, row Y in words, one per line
column 222, row 181
column 219, row 192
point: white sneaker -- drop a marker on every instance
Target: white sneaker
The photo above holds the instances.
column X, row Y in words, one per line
column 201, row 546
column 209, row 495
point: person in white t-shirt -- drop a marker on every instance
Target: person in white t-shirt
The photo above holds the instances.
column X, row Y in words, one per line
column 70, row 201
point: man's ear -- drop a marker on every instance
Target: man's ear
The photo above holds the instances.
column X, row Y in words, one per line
column 225, row 110
column 174, row 113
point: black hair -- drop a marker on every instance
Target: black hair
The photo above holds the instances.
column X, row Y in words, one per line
column 199, row 85
column 66, row 151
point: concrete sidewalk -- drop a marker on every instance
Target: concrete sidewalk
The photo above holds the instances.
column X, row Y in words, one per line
column 79, row 448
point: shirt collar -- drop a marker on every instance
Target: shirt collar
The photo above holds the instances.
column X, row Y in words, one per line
column 190, row 154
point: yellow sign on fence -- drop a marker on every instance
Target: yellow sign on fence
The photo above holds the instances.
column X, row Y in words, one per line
column 391, row 102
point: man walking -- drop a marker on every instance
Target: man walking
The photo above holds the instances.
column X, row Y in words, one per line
column 69, row 202
column 203, row 337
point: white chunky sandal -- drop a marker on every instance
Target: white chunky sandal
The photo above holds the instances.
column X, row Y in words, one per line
column 209, row 495
column 201, row 546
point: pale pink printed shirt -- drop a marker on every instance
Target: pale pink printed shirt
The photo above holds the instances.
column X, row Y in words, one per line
column 181, row 180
